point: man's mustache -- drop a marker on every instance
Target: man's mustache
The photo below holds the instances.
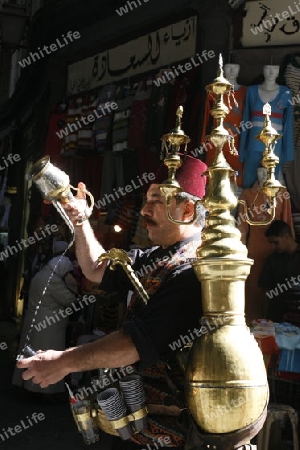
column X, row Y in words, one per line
column 148, row 221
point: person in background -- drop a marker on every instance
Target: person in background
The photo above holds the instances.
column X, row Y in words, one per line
column 43, row 319
column 280, row 277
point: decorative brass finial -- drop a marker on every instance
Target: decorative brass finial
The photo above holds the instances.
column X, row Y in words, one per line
column 219, row 135
column 172, row 142
column 268, row 136
column 179, row 114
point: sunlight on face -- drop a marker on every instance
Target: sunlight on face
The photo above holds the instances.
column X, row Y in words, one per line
column 160, row 230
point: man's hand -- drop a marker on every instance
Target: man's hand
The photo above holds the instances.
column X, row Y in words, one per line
column 114, row 350
column 75, row 209
column 44, row 369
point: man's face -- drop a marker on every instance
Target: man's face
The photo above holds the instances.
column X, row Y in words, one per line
column 160, row 230
column 279, row 243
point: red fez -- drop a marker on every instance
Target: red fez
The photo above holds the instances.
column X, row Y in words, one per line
column 189, row 175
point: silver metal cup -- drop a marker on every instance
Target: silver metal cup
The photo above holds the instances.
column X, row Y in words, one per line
column 53, row 183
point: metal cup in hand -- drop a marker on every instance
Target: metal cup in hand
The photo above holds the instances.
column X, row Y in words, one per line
column 54, row 184
column 27, row 352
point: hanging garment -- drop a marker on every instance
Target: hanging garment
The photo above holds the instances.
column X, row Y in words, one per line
column 158, row 111
column 138, row 117
column 232, row 123
column 74, row 113
column 259, row 248
column 120, row 128
column 148, row 160
column 103, row 122
column 250, row 149
column 292, row 170
column 85, row 133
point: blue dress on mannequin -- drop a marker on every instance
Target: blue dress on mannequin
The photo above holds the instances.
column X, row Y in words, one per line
column 251, row 149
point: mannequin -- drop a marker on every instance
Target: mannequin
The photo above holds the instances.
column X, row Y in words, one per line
column 250, row 149
column 231, row 72
column 262, row 176
column 232, row 121
column 254, row 238
column 269, row 89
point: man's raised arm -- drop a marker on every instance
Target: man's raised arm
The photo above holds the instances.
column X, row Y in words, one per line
column 88, row 248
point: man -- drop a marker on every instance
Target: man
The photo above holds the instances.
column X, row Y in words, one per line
column 148, row 332
column 281, row 274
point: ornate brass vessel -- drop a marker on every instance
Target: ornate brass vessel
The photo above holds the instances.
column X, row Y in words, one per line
column 226, row 381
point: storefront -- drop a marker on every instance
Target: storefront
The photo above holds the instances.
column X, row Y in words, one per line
column 103, row 99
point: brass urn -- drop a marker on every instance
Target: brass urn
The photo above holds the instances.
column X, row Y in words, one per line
column 226, row 380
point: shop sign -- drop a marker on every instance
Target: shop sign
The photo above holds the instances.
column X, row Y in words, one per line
column 160, row 48
column 271, row 22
